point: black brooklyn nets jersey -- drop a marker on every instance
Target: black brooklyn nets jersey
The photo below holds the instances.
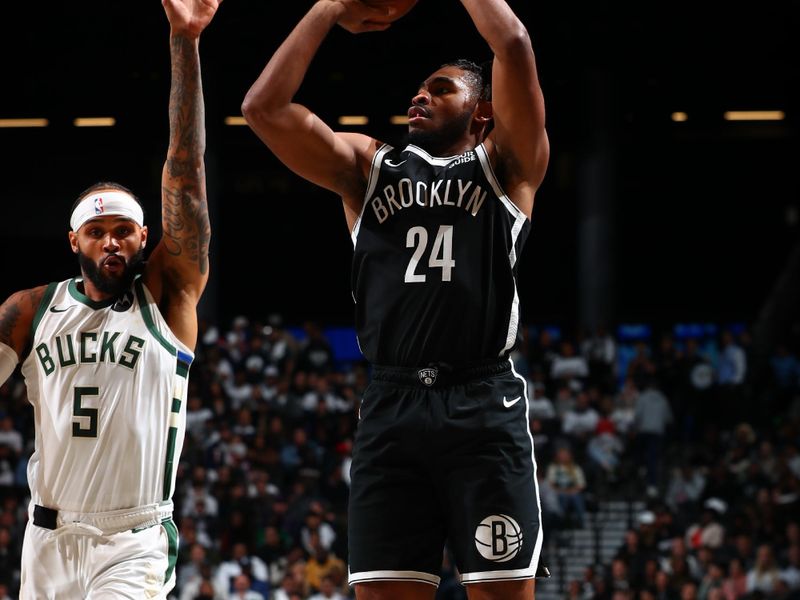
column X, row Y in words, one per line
column 435, row 260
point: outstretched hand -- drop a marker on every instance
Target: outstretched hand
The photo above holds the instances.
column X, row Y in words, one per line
column 190, row 17
column 361, row 18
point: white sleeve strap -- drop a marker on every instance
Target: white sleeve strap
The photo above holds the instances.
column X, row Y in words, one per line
column 8, row 362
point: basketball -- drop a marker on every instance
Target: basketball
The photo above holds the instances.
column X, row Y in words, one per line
column 401, row 8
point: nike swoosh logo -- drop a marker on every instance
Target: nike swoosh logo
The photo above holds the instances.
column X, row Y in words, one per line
column 391, row 164
column 55, row 310
column 510, row 403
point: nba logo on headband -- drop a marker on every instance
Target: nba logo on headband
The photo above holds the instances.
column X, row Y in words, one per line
column 98, row 206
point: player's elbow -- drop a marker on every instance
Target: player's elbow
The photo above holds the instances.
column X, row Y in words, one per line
column 515, row 42
column 259, row 109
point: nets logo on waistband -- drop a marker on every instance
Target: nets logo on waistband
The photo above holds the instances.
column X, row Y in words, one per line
column 498, row 538
column 428, row 376
column 98, row 206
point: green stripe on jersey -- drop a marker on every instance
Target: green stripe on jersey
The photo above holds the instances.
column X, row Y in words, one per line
column 182, row 369
column 169, row 463
column 148, row 318
column 176, row 405
column 43, row 304
column 172, row 548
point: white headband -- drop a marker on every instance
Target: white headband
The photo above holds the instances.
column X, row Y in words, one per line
column 104, row 204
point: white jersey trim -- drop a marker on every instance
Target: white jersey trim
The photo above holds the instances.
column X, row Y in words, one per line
column 394, row 576
column 519, row 221
column 436, row 161
column 513, row 323
column 537, row 549
column 483, row 576
column 530, row 571
column 377, row 161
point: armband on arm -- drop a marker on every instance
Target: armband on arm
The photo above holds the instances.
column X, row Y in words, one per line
column 8, row 362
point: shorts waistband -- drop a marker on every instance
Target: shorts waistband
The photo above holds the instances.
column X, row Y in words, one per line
column 109, row 522
column 439, row 374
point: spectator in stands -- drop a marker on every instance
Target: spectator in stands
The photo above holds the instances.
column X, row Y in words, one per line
column 665, row 360
column 242, row 591
column 709, row 532
column 686, row 485
column 785, row 369
column 540, row 406
column 316, row 354
column 618, row 576
column 565, row 400
column 567, row 366
column 731, row 374
column 634, row 557
column 653, row 416
column 600, row 352
column 624, row 413
column 327, row 590
column 712, row 579
column 315, row 523
column 764, row 574
column 732, row 368
column 791, row 571
column 203, row 589
column 605, row 449
column 192, row 572
column 580, row 423
column 567, row 479
column 542, row 353
column 226, row 579
column 552, row 511
column 320, row 563
column 641, row 366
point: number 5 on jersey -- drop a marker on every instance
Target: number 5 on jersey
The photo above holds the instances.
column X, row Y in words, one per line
column 78, row 410
column 441, row 256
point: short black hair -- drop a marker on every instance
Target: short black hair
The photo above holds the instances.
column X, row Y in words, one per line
column 104, row 185
column 479, row 76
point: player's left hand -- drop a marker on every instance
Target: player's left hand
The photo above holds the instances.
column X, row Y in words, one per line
column 190, row 17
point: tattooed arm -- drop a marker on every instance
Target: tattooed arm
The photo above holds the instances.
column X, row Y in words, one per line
column 177, row 271
column 16, row 317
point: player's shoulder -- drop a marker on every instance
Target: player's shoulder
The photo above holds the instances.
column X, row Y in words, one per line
column 17, row 314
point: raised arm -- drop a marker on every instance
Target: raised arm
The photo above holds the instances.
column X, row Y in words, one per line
column 299, row 138
column 178, row 268
column 518, row 140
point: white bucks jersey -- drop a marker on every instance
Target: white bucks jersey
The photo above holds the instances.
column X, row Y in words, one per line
column 107, row 381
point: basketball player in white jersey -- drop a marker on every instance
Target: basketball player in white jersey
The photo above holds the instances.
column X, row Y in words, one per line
column 443, row 451
column 105, row 358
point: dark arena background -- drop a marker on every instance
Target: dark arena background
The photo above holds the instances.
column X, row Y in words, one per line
column 663, row 263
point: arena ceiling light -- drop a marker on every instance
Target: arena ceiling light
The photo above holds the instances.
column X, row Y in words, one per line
column 755, row 115
column 24, row 122
column 94, row 122
column 235, row 121
column 353, row 120
column 679, row 117
column 399, row 120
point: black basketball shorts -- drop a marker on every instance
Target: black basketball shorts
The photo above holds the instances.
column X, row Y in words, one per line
column 444, row 457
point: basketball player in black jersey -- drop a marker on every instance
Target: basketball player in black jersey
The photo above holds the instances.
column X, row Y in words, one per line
column 443, row 452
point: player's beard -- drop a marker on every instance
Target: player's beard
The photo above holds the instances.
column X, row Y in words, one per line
column 437, row 141
column 111, row 284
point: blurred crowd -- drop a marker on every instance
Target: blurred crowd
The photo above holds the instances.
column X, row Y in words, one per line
column 700, row 429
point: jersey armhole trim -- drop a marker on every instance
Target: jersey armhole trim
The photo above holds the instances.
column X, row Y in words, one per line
column 486, row 165
column 141, row 297
column 44, row 303
column 374, row 171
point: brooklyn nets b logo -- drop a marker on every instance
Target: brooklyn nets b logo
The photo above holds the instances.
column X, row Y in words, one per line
column 498, row 538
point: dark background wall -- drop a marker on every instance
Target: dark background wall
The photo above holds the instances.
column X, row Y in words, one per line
column 699, row 216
